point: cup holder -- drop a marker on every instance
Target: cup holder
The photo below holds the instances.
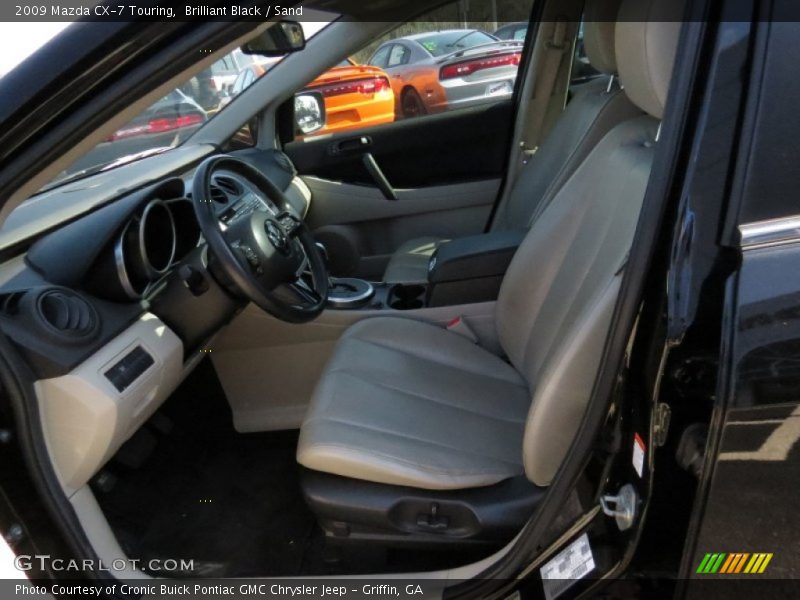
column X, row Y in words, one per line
column 407, row 297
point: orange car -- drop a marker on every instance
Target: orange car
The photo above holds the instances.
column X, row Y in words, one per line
column 355, row 95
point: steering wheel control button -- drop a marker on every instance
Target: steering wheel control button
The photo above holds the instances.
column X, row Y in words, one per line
column 288, row 222
column 276, row 235
column 251, row 257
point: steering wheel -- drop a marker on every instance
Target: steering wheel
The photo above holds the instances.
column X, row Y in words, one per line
column 265, row 249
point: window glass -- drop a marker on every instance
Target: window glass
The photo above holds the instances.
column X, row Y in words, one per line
column 225, row 66
column 170, row 121
column 450, row 59
column 381, row 57
column 398, row 56
column 441, row 43
column 240, row 83
column 515, row 31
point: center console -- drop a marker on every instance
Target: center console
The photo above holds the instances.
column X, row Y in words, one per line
column 349, row 293
column 462, row 271
column 471, row 269
column 354, row 294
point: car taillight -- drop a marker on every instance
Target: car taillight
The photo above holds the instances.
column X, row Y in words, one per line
column 370, row 85
column 468, row 67
column 160, row 125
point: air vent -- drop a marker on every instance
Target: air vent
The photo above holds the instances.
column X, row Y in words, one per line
column 224, row 189
column 67, row 313
column 9, row 303
column 228, row 185
column 217, row 195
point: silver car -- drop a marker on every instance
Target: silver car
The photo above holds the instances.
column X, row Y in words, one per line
column 441, row 70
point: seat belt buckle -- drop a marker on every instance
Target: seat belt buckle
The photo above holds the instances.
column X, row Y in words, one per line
column 459, row 326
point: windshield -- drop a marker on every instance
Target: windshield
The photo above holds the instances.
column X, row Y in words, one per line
column 446, row 42
column 172, row 119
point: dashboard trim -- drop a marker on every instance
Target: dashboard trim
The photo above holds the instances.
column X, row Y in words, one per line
column 122, row 271
column 149, row 266
column 86, row 419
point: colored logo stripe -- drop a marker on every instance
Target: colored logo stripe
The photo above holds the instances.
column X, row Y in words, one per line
column 711, row 563
column 758, row 563
column 736, row 562
column 727, row 564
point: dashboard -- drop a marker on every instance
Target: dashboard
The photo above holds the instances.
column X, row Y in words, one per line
column 163, row 232
column 141, row 250
column 160, row 235
column 111, row 310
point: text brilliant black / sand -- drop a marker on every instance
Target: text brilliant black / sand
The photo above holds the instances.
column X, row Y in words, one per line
column 244, row 11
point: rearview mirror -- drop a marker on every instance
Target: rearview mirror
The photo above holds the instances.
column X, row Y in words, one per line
column 309, row 112
column 282, row 38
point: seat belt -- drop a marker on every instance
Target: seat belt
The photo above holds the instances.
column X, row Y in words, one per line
column 548, row 74
column 460, row 326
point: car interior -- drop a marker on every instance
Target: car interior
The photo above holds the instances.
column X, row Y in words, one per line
column 360, row 352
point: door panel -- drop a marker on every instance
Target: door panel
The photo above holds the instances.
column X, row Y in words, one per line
column 451, row 147
column 437, row 169
column 360, row 228
column 446, row 171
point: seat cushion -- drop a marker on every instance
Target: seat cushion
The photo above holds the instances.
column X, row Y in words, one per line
column 409, row 263
column 404, row 402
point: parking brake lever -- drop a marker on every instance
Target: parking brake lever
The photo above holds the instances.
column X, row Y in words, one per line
column 377, row 175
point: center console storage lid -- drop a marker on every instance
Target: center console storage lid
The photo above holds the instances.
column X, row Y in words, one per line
column 474, row 257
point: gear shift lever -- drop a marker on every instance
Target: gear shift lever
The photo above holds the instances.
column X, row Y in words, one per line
column 346, row 292
column 325, row 259
column 323, row 250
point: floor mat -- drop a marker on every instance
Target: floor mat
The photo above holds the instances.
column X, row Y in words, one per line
column 231, row 502
column 188, row 486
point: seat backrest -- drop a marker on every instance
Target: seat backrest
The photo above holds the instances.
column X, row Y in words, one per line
column 557, row 298
column 594, row 110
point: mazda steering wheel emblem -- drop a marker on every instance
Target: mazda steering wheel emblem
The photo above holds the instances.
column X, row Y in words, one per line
column 276, row 236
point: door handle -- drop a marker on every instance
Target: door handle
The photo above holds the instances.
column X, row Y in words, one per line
column 378, row 177
column 350, row 145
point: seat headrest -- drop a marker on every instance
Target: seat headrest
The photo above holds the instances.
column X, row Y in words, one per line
column 646, row 42
column 599, row 24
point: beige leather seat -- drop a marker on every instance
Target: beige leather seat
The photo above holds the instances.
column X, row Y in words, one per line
column 410, row 404
column 593, row 111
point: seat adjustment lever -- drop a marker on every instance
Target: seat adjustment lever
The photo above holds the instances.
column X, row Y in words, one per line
column 433, row 520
